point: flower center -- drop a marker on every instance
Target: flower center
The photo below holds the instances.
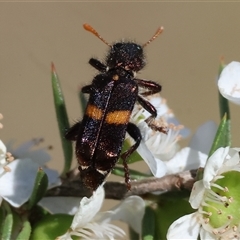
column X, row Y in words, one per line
column 221, row 206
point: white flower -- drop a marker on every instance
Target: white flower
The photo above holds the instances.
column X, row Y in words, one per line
column 30, row 149
column 196, row 154
column 156, row 146
column 203, row 138
column 5, row 159
column 66, row 205
column 217, row 200
column 162, row 145
column 161, row 151
column 40, row 156
column 229, row 82
column 89, row 223
column 17, row 177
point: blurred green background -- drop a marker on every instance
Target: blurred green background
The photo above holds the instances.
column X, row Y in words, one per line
column 184, row 59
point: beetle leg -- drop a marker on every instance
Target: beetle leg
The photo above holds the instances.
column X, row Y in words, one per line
column 148, row 106
column 155, row 127
column 151, row 109
column 72, row 133
column 87, row 89
column 135, row 133
column 152, row 87
column 98, row 65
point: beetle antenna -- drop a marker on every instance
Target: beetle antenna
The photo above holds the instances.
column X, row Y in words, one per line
column 158, row 32
column 92, row 30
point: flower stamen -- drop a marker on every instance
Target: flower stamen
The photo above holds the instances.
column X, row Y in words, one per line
column 206, row 220
column 209, row 214
column 9, row 157
column 225, row 189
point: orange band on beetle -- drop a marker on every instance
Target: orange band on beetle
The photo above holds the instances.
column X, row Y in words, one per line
column 94, row 112
column 118, row 117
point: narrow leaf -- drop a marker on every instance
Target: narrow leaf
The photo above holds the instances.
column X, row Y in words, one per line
column 148, row 224
column 119, row 171
column 25, row 231
column 223, row 136
column 7, row 224
column 62, row 118
column 39, row 189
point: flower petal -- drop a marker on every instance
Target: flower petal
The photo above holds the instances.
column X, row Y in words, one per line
column 186, row 159
column 26, row 150
column 130, row 211
column 16, row 186
column 204, row 136
column 53, row 177
column 206, row 235
column 234, row 157
column 213, row 165
column 88, row 208
column 186, row 227
column 161, row 168
column 68, row 205
column 148, row 158
column 229, row 82
column 3, row 151
column 197, row 194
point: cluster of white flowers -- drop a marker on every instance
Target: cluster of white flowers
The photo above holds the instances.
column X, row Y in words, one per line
column 18, row 171
column 17, row 176
column 215, row 197
column 217, row 200
column 161, row 151
column 89, row 223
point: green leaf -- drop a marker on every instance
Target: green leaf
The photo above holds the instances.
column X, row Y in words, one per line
column 223, row 106
column 7, row 223
column 36, row 214
column 25, row 231
column 39, row 189
column 51, row 226
column 119, row 171
column 134, row 157
column 148, row 224
column 169, row 210
column 222, row 137
column 62, row 118
column 18, row 220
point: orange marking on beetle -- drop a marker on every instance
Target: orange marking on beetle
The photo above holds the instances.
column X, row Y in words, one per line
column 115, row 77
column 118, row 117
column 94, row 112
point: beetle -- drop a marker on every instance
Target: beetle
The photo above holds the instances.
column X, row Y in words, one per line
column 112, row 95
